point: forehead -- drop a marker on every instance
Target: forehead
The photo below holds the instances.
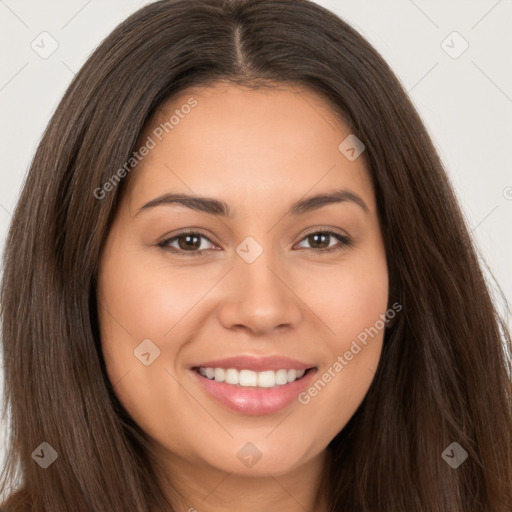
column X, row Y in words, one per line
column 254, row 143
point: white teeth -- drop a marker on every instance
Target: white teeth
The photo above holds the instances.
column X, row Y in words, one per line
column 281, row 377
column 267, row 379
column 231, row 376
column 220, row 374
column 246, row 378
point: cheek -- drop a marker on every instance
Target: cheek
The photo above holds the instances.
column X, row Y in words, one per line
column 349, row 296
column 361, row 301
column 140, row 302
column 145, row 300
column 137, row 303
column 351, row 301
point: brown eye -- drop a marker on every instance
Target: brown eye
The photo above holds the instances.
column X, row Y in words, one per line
column 189, row 242
column 320, row 241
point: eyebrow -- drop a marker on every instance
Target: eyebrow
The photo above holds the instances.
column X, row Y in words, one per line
column 216, row 207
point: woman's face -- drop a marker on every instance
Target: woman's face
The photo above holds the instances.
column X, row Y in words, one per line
column 263, row 294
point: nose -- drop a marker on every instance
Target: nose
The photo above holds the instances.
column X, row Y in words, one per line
column 260, row 298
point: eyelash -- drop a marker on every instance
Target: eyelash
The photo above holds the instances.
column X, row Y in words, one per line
column 344, row 242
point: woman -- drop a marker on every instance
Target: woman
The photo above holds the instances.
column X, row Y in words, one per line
column 163, row 347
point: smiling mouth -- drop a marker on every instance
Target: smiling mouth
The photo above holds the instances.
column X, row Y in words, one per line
column 245, row 378
column 252, row 392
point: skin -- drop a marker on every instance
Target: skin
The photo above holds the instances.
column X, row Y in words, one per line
column 259, row 151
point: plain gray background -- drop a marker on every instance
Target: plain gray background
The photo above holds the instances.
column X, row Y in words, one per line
column 465, row 100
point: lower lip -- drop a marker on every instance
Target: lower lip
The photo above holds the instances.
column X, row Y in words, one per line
column 252, row 400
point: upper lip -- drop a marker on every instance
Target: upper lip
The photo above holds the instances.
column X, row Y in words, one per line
column 256, row 363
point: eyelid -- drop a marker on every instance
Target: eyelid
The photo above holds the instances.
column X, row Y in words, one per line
column 344, row 239
column 186, row 231
column 324, row 229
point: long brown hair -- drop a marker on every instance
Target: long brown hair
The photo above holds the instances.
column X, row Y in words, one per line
column 445, row 371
